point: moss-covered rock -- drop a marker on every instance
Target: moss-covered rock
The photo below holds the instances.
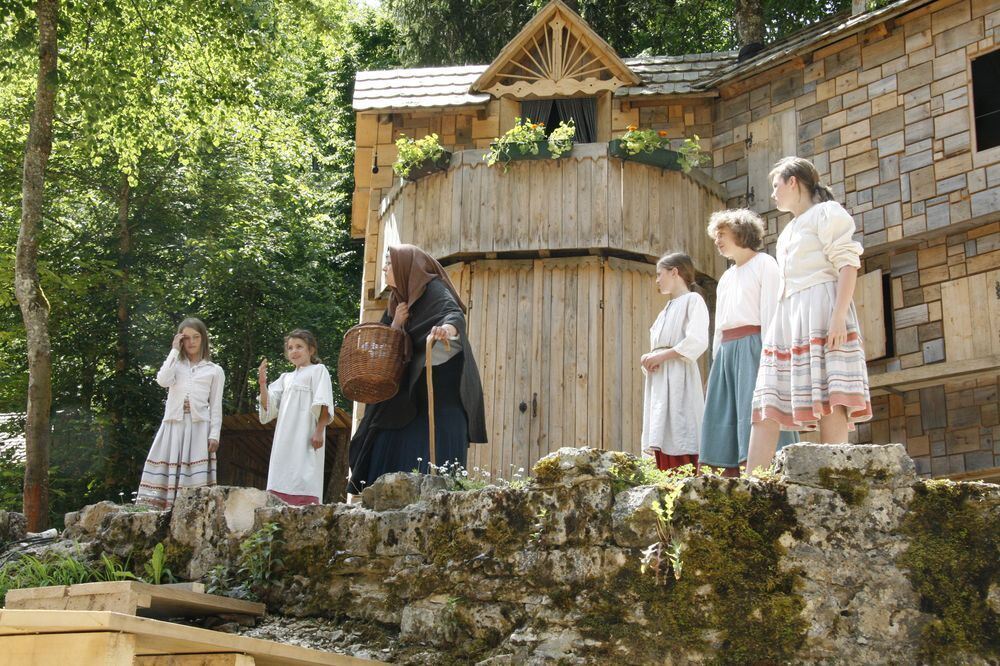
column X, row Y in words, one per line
column 953, row 560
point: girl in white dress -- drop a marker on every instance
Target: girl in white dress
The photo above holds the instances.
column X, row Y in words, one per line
column 302, row 401
column 183, row 452
column 674, row 399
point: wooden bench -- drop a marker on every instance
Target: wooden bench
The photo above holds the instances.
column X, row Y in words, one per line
column 101, row 638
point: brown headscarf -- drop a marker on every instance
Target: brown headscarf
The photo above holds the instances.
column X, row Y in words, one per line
column 412, row 269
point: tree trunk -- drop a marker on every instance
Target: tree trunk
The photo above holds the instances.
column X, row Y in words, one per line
column 125, row 267
column 118, row 463
column 27, row 287
column 749, row 15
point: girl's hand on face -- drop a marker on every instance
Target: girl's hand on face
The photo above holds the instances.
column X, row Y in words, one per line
column 836, row 337
column 317, row 439
column 178, row 341
column 401, row 316
column 213, row 445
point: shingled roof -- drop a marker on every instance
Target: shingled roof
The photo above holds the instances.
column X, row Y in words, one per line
column 697, row 73
column 421, row 88
column 433, row 87
column 673, row 75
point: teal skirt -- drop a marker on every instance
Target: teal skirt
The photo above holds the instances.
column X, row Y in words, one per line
column 725, row 431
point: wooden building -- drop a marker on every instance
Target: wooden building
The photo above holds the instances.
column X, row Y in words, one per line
column 897, row 107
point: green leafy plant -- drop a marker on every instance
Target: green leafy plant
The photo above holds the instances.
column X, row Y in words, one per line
column 524, row 139
column 255, row 566
column 561, row 139
column 691, row 154
column 636, row 141
column 411, row 153
column 156, row 568
column 59, row 569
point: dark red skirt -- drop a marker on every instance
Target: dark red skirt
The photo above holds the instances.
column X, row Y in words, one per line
column 665, row 462
column 295, row 500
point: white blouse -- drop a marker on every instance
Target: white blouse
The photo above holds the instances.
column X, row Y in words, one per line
column 199, row 384
column 747, row 295
column 815, row 246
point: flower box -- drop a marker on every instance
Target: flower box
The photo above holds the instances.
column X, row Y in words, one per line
column 427, row 167
column 660, row 157
column 523, row 151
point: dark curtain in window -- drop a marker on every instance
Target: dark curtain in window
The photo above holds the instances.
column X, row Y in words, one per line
column 583, row 111
column 536, row 110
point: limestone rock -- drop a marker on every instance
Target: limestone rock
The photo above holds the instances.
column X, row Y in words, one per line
column 397, row 490
column 13, row 527
column 633, row 517
column 86, row 524
column 822, row 465
column 206, row 525
column 568, row 466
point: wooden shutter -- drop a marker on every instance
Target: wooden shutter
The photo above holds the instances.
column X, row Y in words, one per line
column 871, row 313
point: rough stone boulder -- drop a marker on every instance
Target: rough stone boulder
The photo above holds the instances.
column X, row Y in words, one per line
column 207, row 525
column 13, row 527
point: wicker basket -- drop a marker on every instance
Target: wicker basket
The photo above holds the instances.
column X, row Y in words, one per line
column 371, row 362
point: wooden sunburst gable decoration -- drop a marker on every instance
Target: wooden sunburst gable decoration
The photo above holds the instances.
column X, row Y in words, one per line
column 556, row 54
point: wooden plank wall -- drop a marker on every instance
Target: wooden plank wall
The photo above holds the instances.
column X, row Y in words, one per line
column 583, row 202
column 542, row 339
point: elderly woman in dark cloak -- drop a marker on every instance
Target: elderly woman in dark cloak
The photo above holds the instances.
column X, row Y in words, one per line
column 393, row 435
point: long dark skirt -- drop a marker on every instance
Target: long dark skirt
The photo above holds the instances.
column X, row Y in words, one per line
column 398, row 450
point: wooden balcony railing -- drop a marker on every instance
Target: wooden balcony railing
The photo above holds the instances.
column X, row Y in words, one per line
column 585, row 202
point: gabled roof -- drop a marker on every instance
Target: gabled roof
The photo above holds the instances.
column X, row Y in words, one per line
column 555, row 53
column 434, row 87
column 656, row 75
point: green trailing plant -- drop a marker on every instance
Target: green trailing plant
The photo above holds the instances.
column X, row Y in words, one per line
column 411, row 153
column 636, row 141
column 525, row 137
column 561, row 139
column 691, row 154
column 156, row 568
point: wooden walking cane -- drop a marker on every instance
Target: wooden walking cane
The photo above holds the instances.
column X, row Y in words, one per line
column 429, row 365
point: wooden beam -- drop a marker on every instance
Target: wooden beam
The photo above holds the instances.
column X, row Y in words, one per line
column 991, row 474
column 102, row 647
column 195, row 660
column 933, row 375
column 155, row 637
column 130, row 597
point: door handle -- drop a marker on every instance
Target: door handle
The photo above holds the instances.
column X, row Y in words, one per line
column 534, row 405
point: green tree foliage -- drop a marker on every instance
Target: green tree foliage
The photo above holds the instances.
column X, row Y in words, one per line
column 446, row 32
column 224, row 133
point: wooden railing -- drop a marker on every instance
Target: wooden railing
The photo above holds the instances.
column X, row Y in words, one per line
column 585, row 202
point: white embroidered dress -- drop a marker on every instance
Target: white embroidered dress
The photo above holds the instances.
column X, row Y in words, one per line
column 674, row 397
column 295, row 399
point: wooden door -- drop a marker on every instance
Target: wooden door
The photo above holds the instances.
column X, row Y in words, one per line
column 535, row 326
column 502, row 336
